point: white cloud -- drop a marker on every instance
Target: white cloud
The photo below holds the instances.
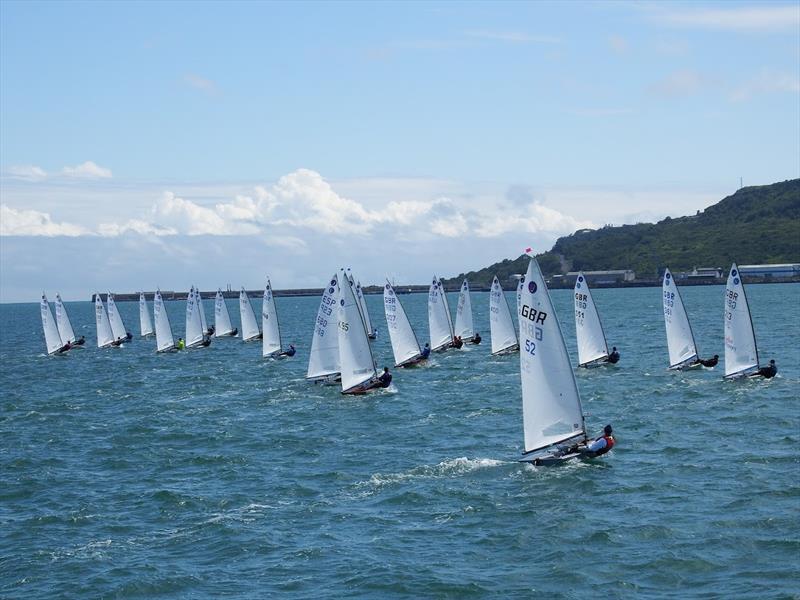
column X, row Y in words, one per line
column 189, row 218
column 35, row 223
column 87, row 170
column 766, row 82
column 451, row 227
column 734, row 18
column 133, row 226
column 27, row 172
column 535, row 218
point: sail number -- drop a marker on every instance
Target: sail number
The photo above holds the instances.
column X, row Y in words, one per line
column 532, row 314
column 530, row 347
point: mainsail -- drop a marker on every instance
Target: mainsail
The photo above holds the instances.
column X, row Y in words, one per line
column 592, row 346
column 501, row 326
column 104, row 334
column 199, row 299
column 117, row 326
column 357, row 363
column 222, row 318
column 551, row 406
column 52, row 339
column 249, row 325
column 324, row 358
column 741, row 352
column 164, row 339
column 680, row 340
column 194, row 325
column 269, row 323
column 62, row 321
column 144, row 316
column 362, row 304
column 404, row 342
column 439, row 324
column 464, row 326
column 520, row 283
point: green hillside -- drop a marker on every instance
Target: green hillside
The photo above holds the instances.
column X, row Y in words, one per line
column 759, row 224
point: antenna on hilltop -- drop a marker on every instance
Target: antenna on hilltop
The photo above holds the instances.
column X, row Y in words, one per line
column 740, row 183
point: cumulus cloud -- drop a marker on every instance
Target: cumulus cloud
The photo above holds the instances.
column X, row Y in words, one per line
column 27, row 172
column 189, row 218
column 24, row 222
column 87, row 170
column 536, row 218
column 133, row 226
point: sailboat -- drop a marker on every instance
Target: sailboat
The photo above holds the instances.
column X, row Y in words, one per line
column 439, row 323
column 372, row 333
column 144, row 317
column 552, row 416
column 52, row 339
column 680, row 339
column 118, row 330
column 250, row 330
column 64, row 326
column 270, row 327
column 323, row 362
column 404, row 341
column 741, row 351
column 357, row 363
column 464, row 326
column 592, row 345
column 520, row 284
column 164, row 339
column 222, row 318
column 203, row 323
column 195, row 333
column 501, row 326
column 105, row 337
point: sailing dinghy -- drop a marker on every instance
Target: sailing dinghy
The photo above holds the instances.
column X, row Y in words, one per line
column 203, row 323
column 144, row 317
column 464, row 327
column 439, row 323
column 222, row 318
column 270, row 327
column 105, row 337
column 680, row 339
column 372, row 333
column 592, row 345
column 520, row 283
column 196, row 336
column 118, row 330
column 405, row 345
column 323, row 362
column 65, row 327
column 357, row 363
column 741, row 351
column 552, row 417
column 52, row 339
column 501, row 326
column 250, row 330
column 164, row 339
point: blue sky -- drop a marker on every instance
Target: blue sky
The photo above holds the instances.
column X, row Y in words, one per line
column 209, row 143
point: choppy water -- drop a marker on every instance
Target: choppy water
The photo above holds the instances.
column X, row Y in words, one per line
column 212, row 472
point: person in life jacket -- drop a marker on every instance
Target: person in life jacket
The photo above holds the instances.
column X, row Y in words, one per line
column 709, row 362
column 476, row 338
column 613, row 358
column 181, row 344
column 599, row 446
column 385, row 379
column 769, row 371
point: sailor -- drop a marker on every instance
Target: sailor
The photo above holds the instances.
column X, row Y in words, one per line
column 64, row 348
column 599, row 446
column 457, row 343
column 117, row 342
column 426, row 351
column 290, row 352
column 709, row 362
column 769, row 371
column 385, row 379
column 128, row 335
column 210, row 330
column 477, row 338
column 181, row 344
column 206, row 341
column 613, row 358
column 79, row 342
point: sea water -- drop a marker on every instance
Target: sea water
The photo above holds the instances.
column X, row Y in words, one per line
column 214, row 472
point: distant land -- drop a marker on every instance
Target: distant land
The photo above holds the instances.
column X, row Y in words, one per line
column 756, row 225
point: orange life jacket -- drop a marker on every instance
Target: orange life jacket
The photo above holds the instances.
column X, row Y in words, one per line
column 609, row 445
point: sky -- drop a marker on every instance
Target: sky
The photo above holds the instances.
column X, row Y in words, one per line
column 168, row 144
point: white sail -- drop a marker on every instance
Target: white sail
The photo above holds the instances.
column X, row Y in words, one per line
column 741, row 353
column 680, row 340
column 501, row 325
column 439, row 325
column 592, row 344
column 199, row 299
column 52, row 339
column 62, row 322
column 194, row 326
column 404, row 342
column 117, row 326
column 551, row 406
column 464, row 326
column 362, row 304
column 324, row 358
column 164, row 339
column 520, row 283
column 358, row 365
column 104, row 334
column 249, row 325
column 144, row 316
column 269, row 323
column 222, row 318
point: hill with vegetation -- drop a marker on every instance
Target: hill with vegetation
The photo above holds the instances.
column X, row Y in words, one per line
column 758, row 224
